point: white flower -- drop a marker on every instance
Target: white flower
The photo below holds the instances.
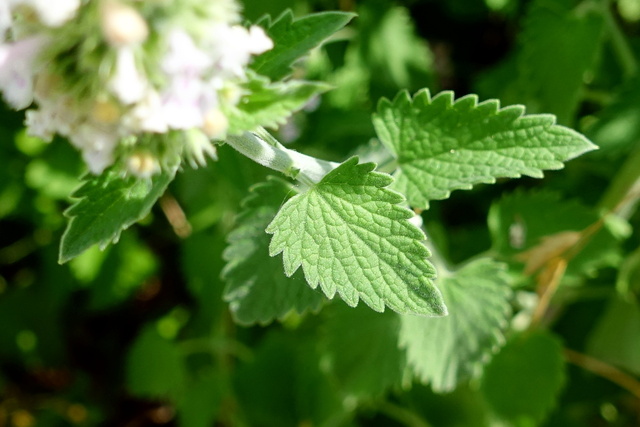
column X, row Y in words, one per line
column 183, row 56
column 232, row 47
column 52, row 13
column 97, row 145
column 17, row 70
column 128, row 84
column 148, row 115
column 5, row 18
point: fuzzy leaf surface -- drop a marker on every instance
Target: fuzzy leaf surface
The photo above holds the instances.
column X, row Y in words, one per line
column 445, row 351
column 270, row 104
column 522, row 381
column 443, row 145
column 351, row 237
column 294, row 38
column 108, row 204
column 257, row 290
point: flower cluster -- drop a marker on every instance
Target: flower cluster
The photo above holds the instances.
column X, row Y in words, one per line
column 142, row 83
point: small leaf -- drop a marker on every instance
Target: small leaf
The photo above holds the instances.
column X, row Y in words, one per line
column 524, row 379
column 362, row 349
column 107, row 205
column 442, row 145
column 257, row 290
column 269, row 104
column 294, row 38
column 445, row 351
column 155, row 367
column 615, row 337
column 351, row 237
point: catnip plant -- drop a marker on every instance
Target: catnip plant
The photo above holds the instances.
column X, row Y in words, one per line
column 148, row 90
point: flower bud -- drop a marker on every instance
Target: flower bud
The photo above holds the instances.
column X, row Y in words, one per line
column 215, row 123
column 122, row 25
column 143, row 164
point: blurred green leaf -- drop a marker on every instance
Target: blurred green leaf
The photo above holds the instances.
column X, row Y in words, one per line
column 445, row 351
column 525, row 378
column 362, row 350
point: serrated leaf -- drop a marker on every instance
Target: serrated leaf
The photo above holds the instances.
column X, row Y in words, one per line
column 108, row 204
column 441, row 145
column 351, row 237
column 294, row 38
column 362, row 349
column 554, row 32
column 520, row 221
column 257, row 289
column 269, row 104
column 524, row 379
column 445, row 351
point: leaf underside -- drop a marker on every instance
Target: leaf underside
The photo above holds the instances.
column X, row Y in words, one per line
column 441, row 145
column 352, row 238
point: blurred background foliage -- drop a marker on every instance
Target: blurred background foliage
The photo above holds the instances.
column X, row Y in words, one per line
column 139, row 335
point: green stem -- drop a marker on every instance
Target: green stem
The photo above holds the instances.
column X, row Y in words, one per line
column 274, row 155
column 402, row 415
column 620, row 45
column 623, row 193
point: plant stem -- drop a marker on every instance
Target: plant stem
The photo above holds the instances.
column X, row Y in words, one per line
column 604, row 370
column 275, row 156
column 624, row 191
column 620, row 44
column 401, row 414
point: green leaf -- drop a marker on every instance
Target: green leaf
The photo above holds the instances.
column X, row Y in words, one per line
column 554, row 32
column 269, row 104
column 294, row 38
column 615, row 337
column 257, row 290
column 351, row 237
column 155, row 367
column 521, row 219
column 524, row 379
column 107, row 205
column 441, row 145
column 363, row 356
column 445, row 351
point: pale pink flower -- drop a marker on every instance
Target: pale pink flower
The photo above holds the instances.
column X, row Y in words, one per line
column 17, row 61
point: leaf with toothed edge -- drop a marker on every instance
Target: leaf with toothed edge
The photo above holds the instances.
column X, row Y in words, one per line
column 352, row 237
column 106, row 205
column 257, row 290
column 269, row 104
column 294, row 38
column 443, row 145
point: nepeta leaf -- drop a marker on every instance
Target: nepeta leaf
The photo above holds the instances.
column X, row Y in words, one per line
column 362, row 349
column 257, row 290
column 350, row 236
column 107, row 205
column 445, row 351
column 295, row 38
column 269, row 104
column 524, row 379
column 442, row 145
column 559, row 45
